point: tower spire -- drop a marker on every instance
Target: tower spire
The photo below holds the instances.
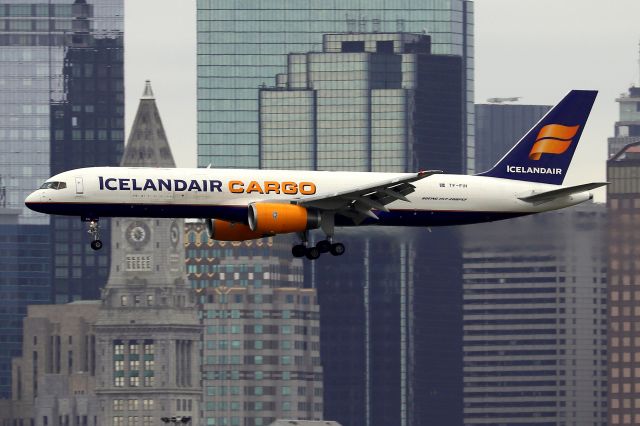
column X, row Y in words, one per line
column 148, row 92
column 147, row 145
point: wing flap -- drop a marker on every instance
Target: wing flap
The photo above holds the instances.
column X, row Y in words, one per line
column 358, row 203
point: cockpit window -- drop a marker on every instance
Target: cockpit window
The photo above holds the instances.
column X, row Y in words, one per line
column 53, row 185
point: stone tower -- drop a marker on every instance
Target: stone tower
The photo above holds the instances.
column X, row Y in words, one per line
column 147, row 329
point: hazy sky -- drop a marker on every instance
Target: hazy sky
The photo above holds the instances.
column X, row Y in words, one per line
column 537, row 49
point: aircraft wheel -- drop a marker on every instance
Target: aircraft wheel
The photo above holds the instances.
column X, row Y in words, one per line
column 337, row 249
column 96, row 244
column 324, row 246
column 298, row 250
column 312, row 253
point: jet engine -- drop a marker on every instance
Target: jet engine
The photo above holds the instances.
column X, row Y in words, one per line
column 280, row 218
column 222, row 230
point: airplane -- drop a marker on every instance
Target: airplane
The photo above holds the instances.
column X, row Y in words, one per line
column 241, row 205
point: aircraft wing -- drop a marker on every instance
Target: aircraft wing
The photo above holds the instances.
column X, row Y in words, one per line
column 357, row 203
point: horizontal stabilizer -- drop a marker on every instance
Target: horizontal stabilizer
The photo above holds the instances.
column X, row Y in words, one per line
column 539, row 197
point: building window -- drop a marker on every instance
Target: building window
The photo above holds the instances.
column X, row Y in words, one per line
column 118, row 420
column 149, row 381
column 123, row 300
column 148, row 347
column 118, row 404
column 134, row 404
column 134, row 381
column 118, row 381
column 138, row 263
column 147, row 404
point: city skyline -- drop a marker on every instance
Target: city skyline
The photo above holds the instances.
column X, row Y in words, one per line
column 565, row 43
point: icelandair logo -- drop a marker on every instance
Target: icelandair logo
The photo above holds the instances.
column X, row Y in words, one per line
column 534, row 170
column 553, row 139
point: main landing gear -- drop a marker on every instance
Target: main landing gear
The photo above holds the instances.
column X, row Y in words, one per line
column 314, row 252
column 94, row 230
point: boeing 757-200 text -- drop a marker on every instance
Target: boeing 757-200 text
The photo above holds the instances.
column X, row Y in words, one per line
column 248, row 204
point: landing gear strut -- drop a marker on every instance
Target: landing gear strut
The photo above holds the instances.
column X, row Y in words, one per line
column 323, row 246
column 94, row 230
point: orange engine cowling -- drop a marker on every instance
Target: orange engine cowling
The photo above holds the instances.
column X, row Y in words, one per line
column 275, row 218
column 222, row 230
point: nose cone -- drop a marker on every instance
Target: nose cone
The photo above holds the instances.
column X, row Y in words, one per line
column 32, row 201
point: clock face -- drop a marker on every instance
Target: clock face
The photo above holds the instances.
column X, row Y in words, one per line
column 138, row 234
column 174, row 234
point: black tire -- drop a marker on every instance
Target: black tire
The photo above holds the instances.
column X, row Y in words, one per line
column 312, row 253
column 337, row 249
column 96, row 244
column 298, row 250
column 324, row 246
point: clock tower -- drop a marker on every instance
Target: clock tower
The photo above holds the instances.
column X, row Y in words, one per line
column 148, row 329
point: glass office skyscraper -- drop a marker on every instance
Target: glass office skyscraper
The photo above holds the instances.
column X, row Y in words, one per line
column 378, row 102
column 39, row 41
column 61, row 107
column 243, row 45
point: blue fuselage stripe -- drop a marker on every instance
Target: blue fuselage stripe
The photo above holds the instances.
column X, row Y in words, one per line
column 239, row 213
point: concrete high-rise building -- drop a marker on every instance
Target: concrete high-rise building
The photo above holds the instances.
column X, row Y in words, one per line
column 147, row 331
column 261, row 354
column 379, row 102
column 627, row 129
column 498, row 128
column 54, row 380
column 535, row 320
column 623, row 202
column 242, row 46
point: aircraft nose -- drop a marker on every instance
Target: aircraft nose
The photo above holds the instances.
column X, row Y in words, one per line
column 31, row 200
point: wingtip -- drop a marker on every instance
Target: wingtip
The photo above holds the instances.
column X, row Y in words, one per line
column 423, row 173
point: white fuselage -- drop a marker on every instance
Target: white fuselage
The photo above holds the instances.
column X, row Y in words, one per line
column 439, row 199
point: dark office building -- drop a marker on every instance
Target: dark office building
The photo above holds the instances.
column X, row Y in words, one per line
column 623, row 345
column 61, row 106
column 25, row 268
column 535, row 315
column 87, row 129
column 499, row 127
column 390, row 308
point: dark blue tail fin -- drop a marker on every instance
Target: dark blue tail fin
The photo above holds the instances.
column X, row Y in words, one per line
column 545, row 152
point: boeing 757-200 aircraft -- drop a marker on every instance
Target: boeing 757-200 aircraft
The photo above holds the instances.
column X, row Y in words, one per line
column 248, row 204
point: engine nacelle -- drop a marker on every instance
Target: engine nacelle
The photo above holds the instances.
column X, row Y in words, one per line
column 222, row 230
column 276, row 218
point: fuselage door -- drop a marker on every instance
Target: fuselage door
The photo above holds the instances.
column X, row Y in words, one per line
column 79, row 186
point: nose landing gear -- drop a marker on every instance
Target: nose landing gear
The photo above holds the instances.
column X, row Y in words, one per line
column 94, row 230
